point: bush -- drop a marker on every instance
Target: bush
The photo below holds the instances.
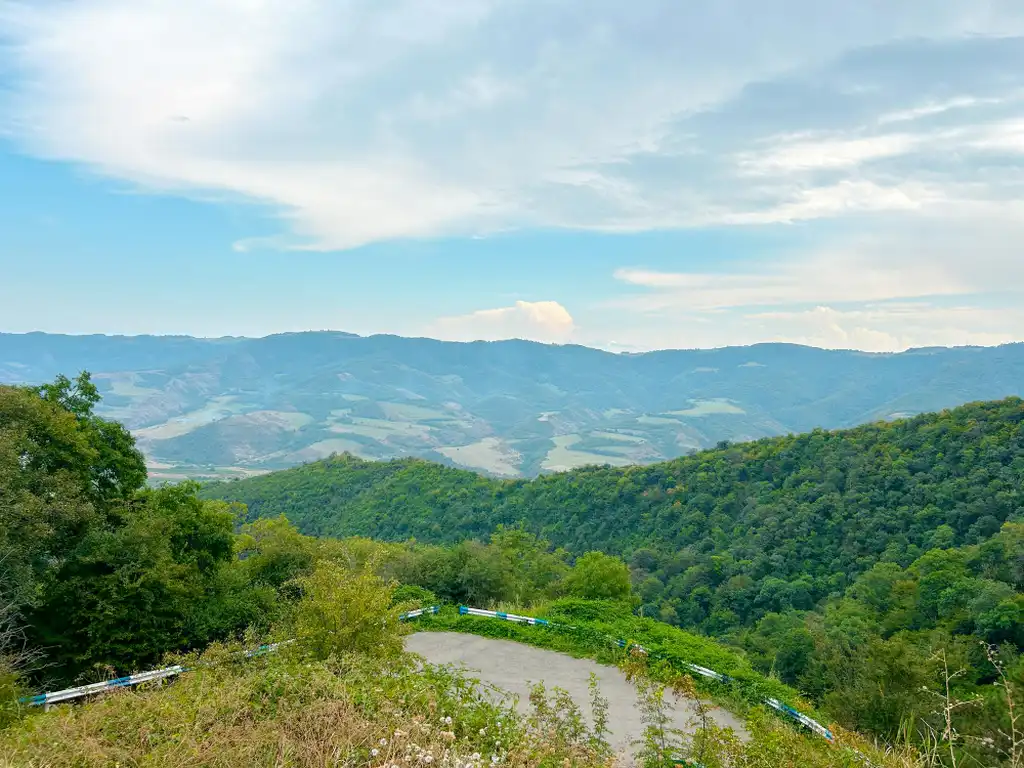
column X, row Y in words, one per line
column 411, row 597
column 344, row 611
column 575, row 609
column 598, row 576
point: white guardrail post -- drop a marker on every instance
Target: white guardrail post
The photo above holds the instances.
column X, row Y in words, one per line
column 46, row 700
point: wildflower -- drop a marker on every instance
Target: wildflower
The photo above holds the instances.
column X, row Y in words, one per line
column 383, row 742
column 374, row 752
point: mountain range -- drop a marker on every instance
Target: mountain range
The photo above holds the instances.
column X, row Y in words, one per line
column 240, row 406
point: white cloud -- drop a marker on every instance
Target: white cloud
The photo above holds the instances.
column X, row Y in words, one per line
column 884, row 327
column 890, row 289
column 360, row 121
column 546, row 321
column 809, row 153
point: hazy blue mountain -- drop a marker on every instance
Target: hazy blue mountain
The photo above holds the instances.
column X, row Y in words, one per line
column 237, row 405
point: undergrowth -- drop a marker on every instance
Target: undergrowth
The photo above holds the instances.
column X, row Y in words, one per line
column 286, row 710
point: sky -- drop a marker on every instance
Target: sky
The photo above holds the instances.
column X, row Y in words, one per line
column 631, row 176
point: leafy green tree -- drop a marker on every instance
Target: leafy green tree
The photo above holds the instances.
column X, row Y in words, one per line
column 128, row 593
column 598, row 576
column 273, row 552
column 114, row 468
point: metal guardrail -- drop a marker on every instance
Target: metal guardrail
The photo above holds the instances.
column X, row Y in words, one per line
column 46, row 700
column 775, row 704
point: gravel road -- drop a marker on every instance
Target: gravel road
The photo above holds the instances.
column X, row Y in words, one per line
column 513, row 667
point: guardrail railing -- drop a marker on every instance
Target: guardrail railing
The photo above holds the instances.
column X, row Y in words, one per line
column 46, row 700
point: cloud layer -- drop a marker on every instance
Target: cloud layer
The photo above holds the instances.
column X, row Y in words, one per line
column 358, row 121
column 361, row 121
column 546, row 321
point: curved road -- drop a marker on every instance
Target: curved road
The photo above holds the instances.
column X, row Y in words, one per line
column 512, row 667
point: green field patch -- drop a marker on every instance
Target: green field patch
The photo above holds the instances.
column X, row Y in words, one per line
column 708, row 408
column 291, row 421
column 612, row 413
column 490, row 454
column 381, row 429
column 126, row 384
column 562, row 457
column 217, row 409
column 406, row 412
column 658, row 421
column 619, row 450
column 619, row 436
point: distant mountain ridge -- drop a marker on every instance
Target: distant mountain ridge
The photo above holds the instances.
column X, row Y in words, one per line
column 235, row 406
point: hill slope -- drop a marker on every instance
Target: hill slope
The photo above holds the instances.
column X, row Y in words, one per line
column 812, row 510
column 857, row 566
column 236, row 406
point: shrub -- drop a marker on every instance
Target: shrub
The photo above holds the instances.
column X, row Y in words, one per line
column 344, row 611
column 411, row 597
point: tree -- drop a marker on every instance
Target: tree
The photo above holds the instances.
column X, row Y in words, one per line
column 114, row 468
column 597, row 576
column 130, row 592
column 345, row 611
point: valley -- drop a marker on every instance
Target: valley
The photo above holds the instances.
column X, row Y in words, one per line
column 238, row 407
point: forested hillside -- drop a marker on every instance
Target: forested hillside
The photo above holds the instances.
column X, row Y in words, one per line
column 813, row 509
column 842, row 561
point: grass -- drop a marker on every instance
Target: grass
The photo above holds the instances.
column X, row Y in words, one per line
column 658, row 421
column 381, row 429
column 489, row 454
column 621, row 436
column 217, row 408
column 126, row 384
column 290, row 420
column 286, row 711
column 406, row 412
column 708, row 408
column 562, row 457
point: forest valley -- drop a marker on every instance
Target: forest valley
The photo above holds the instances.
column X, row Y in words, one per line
column 876, row 571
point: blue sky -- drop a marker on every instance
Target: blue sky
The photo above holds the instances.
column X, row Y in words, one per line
column 624, row 175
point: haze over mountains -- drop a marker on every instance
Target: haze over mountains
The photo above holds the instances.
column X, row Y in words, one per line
column 236, row 406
